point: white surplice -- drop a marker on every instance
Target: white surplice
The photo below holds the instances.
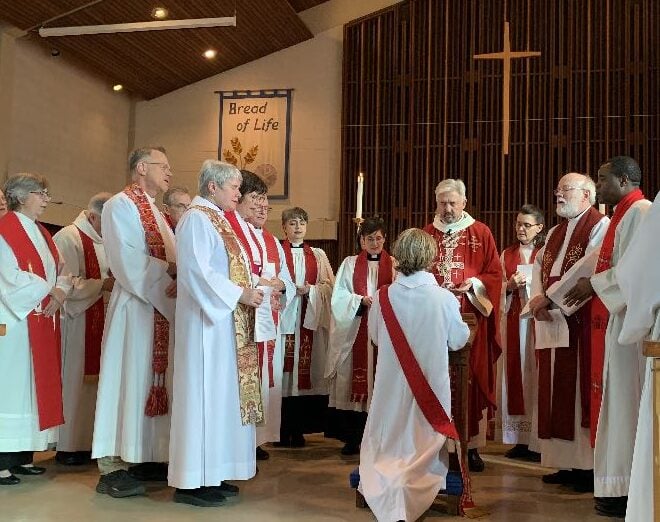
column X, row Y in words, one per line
column 20, row 293
column 403, row 460
column 520, row 429
column 272, row 397
column 208, row 443
column 344, row 327
column 639, row 282
column 78, row 395
column 576, row 453
column 121, row 427
column 317, row 319
column 623, row 374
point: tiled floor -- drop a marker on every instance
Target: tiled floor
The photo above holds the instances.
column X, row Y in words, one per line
column 294, row 485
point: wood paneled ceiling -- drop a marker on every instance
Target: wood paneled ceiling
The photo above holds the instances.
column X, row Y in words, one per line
column 150, row 64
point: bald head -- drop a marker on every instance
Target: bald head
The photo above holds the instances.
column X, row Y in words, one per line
column 95, row 208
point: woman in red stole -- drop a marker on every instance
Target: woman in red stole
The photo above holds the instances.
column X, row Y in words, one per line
column 518, row 376
column 351, row 357
column 32, row 290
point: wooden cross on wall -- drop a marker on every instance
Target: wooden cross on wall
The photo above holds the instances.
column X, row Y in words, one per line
column 506, row 56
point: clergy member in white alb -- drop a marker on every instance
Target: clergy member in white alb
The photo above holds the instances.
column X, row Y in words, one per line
column 351, row 359
column 519, row 373
column 639, row 281
column 132, row 421
column 216, row 373
column 564, row 372
column 33, row 285
column 617, row 371
column 305, row 329
column 82, row 318
column 268, row 321
column 414, row 323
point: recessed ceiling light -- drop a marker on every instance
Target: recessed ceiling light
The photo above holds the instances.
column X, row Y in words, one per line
column 159, row 13
column 209, row 54
column 117, row 87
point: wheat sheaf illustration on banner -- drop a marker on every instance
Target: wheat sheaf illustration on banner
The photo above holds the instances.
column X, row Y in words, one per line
column 236, row 157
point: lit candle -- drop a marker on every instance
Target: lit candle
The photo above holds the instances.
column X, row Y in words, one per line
column 601, row 208
column 360, row 192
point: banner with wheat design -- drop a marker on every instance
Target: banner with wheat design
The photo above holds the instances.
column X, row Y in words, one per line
column 254, row 133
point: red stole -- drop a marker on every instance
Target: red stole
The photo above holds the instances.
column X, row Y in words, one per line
column 168, row 220
column 273, row 256
column 306, row 335
column 359, row 385
column 426, row 399
column 514, row 387
column 95, row 314
column 556, row 401
column 157, row 401
column 238, row 230
column 599, row 312
column 43, row 332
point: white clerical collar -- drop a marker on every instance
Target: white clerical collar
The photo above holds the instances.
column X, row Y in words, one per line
column 527, row 248
column 577, row 218
column 420, row 278
column 83, row 224
column 463, row 222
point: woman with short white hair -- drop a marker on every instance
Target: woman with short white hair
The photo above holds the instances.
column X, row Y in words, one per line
column 34, row 287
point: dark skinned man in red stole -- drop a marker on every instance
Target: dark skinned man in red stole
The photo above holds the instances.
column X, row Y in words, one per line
column 616, row 375
column 564, row 382
column 468, row 264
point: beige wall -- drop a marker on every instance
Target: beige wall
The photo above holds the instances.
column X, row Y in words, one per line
column 65, row 124
column 186, row 121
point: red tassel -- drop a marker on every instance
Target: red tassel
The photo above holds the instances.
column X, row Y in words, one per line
column 157, row 402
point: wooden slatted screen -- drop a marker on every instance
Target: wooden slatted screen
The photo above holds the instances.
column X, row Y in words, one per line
column 418, row 108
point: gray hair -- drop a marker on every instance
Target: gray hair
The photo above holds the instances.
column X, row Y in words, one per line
column 18, row 188
column 414, row 251
column 450, row 185
column 141, row 154
column 167, row 197
column 218, row 172
column 95, row 205
column 586, row 183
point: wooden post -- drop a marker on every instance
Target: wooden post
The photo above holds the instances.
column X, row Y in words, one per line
column 652, row 349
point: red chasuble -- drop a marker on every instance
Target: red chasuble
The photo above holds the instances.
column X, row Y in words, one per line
column 556, row 401
column 514, row 387
column 426, row 399
column 95, row 314
column 461, row 255
column 306, row 335
column 359, row 385
column 157, row 400
column 599, row 313
column 43, row 332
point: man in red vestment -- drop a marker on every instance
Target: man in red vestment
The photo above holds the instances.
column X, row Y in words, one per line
column 468, row 264
column 564, row 371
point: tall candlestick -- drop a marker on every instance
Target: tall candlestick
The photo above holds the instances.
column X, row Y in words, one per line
column 601, row 208
column 360, row 192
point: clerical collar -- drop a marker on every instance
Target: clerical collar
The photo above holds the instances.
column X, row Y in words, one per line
column 465, row 221
column 297, row 246
column 373, row 257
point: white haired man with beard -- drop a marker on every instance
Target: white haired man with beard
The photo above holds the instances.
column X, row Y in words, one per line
column 564, row 371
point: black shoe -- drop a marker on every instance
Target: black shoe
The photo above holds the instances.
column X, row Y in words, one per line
column 297, row 441
column 120, row 484
column 584, row 480
column 475, row 463
column 27, row 470
column 149, row 471
column 614, row 507
column 11, row 480
column 565, row 477
column 533, row 456
column 72, row 458
column 262, row 454
column 519, row 451
column 350, row 449
column 227, row 489
column 284, row 442
column 202, row 497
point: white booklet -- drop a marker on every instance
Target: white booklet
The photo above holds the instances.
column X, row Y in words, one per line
column 583, row 268
column 552, row 334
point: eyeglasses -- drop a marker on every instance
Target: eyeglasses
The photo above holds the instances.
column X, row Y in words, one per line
column 377, row 239
column 165, row 167
column 563, row 190
column 526, row 226
column 44, row 194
